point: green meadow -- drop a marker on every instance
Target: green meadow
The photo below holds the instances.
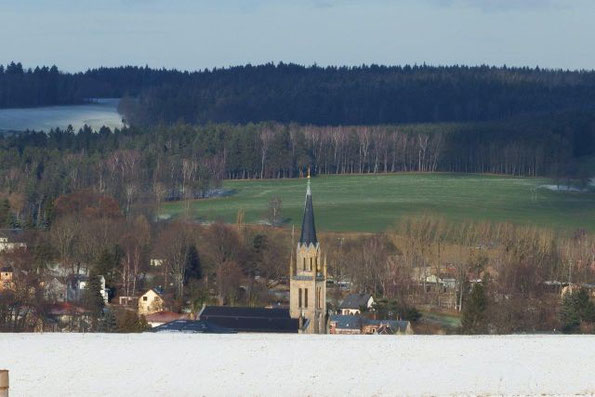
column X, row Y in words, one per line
column 371, row 203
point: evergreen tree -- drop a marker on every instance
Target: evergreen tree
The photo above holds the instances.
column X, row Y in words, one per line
column 193, row 264
column 109, row 322
column 92, row 299
column 474, row 320
column 577, row 309
column 5, row 215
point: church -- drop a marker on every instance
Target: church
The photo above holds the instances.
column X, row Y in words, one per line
column 307, row 276
column 307, row 292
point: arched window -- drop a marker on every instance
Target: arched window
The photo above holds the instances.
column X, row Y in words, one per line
column 304, row 263
column 300, row 298
column 310, row 263
column 306, row 298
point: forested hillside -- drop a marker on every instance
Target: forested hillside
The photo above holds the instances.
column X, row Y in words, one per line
column 191, row 130
column 366, row 95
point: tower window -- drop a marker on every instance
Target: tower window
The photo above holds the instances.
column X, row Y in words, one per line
column 304, row 264
column 310, row 264
column 300, row 299
column 318, row 306
column 306, row 297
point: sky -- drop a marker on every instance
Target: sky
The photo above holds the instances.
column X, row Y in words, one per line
column 196, row 34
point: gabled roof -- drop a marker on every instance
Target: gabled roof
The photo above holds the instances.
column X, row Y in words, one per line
column 248, row 319
column 6, row 269
column 346, row 321
column 355, row 301
column 308, row 235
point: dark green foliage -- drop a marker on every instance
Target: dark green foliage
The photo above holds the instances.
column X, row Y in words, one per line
column 193, row 265
column 392, row 310
column 109, row 322
column 108, row 264
column 5, row 214
column 474, row 319
column 92, row 299
column 130, row 322
column 577, row 309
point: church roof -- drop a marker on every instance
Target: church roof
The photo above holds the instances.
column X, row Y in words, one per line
column 250, row 319
column 308, row 235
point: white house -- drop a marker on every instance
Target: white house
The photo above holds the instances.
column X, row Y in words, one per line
column 354, row 303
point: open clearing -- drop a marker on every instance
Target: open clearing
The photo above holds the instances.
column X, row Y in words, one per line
column 371, row 203
column 295, row 365
column 95, row 115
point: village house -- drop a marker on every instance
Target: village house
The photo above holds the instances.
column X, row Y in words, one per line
column 77, row 283
column 66, row 317
column 345, row 324
column 340, row 324
column 150, row 302
column 55, row 290
column 386, row 327
column 11, row 239
column 354, row 303
column 6, row 278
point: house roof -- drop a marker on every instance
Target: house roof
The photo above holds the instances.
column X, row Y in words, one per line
column 6, row 269
column 11, row 233
column 62, row 308
column 165, row 317
column 355, row 301
column 394, row 325
column 346, row 321
column 191, row 327
column 249, row 319
column 308, row 235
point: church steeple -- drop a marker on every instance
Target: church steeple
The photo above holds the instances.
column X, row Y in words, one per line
column 307, row 281
column 308, row 235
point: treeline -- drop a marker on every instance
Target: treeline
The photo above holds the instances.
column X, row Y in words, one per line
column 152, row 165
column 36, row 87
column 286, row 93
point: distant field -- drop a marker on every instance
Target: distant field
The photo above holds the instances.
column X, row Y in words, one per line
column 95, row 115
column 371, row 203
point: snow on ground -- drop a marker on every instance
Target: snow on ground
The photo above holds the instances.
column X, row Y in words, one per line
column 566, row 188
column 295, row 365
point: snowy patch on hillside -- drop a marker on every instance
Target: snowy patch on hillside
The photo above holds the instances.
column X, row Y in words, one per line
column 295, row 365
column 567, row 188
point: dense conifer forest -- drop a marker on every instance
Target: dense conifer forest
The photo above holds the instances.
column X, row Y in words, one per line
column 364, row 95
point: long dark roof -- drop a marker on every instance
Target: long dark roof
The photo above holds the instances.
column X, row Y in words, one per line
column 248, row 319
column 308, row 235
column 192, row 327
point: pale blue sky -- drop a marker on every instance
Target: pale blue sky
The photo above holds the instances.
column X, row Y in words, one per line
column 194, row 34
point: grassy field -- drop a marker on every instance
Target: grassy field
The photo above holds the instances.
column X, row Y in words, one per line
column 371, row 203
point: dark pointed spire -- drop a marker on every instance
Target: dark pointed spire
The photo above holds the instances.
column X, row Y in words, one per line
column 308, row 235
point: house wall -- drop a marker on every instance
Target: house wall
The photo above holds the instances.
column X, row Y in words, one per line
column 150, row 303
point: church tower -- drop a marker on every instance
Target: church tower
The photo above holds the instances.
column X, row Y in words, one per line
column 307, row 275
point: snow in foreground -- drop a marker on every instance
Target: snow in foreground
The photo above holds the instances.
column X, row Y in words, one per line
column 295, row 365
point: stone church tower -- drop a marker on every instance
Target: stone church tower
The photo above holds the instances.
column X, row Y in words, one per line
column 307, row 276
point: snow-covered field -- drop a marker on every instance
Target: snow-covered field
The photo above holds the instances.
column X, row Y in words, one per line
column 95, row 115
column 295, row 365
